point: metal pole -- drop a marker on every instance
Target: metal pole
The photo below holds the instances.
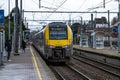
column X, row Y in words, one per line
column 81, row 27
column 14, row 33
column 119, row 29
column 109, row 38
column 103, row 3
column 0, row 48
column 69, row 19
column 27, row 26
column 25, row 21
column 20, row 23
column 81, row 20
column 9, row 20
column 39, row 3
column 16, row 28
column 91, row 38
column 92, row 22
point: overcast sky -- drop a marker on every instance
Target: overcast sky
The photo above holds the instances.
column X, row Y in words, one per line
column 62, row 5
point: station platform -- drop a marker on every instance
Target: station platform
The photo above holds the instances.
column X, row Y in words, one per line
column 107, row 51
column 26, row 66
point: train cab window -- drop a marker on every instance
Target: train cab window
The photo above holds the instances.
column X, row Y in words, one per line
column 58, row 33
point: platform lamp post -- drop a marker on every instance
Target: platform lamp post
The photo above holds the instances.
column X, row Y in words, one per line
column 81, row 28
column 16, row 29
column 109, row 38
column 9, row 20
column 20, row 24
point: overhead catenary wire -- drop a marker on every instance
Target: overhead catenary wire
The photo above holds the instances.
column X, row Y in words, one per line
column 56, row 9
column 99, row 5
column 51, row 8
column 45, row 7
column 82, row 4
column 69, row 12
column 53, row 4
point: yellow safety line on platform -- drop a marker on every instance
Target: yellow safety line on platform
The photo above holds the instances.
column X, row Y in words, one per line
column 36, row 65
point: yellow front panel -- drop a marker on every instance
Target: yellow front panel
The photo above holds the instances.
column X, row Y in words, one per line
column 62, row 43
column 58, row 42
column 46, row 33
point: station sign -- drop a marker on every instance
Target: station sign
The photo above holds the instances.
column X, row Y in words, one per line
column 115, row 29
column 1, row 16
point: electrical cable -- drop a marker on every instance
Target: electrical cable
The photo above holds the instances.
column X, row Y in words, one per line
column 59, row 6
column 100, row 5
column 82, row 4
column 50, row 8
column 97, row 6
column 55, row 10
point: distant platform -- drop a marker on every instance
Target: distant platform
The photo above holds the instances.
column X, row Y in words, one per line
column 106, row 51
column 105, row 55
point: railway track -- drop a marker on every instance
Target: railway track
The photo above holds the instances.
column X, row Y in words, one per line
column 68, row 72
column 95, row 69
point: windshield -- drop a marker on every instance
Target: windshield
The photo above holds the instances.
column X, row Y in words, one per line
column 58, row 33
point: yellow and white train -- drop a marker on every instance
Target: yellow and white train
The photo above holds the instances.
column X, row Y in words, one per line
column 56, row 42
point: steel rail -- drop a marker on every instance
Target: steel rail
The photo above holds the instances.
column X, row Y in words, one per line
column 98, row 67
column 83, row 75
column 59, row 74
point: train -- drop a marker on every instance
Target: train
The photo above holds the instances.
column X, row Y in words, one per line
column 55, row 42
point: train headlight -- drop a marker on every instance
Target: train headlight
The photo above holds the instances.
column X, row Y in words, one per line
column 65, row 46
column 51, row 46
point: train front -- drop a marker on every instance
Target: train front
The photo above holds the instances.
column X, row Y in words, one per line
column 58, row 42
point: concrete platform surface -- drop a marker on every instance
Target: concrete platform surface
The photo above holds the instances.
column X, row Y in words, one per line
column 26, row 66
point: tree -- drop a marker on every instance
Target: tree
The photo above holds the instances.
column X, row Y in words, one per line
column 12, row 24
column 114, row 20
column 75, row 27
